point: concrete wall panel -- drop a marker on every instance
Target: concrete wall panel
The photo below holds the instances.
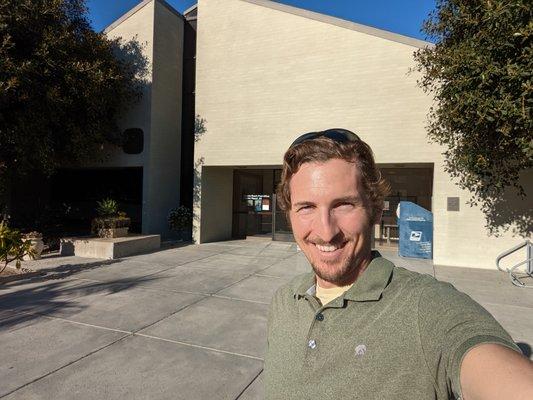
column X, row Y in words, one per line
column 162, row 192
column 159, row 30
column 265, row 76
column 216, row 205
column 139, row 26
column 461, row 238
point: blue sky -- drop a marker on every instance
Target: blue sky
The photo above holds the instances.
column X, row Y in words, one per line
column 399, row 16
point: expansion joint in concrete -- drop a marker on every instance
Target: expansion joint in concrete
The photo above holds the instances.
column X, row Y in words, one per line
column 66, row 365
column 250, row 384
column 197, row 346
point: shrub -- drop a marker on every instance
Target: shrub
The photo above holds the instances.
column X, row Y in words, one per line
column 107, row 208
column 179, row 218
column 109, row 218
column 13, row 247
column 109, row 223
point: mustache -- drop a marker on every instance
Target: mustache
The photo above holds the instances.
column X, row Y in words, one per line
column 335, row 241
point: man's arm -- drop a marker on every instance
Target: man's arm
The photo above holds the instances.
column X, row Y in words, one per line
column 492, row 371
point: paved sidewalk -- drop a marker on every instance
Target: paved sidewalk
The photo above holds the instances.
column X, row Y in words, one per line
column 182, row 323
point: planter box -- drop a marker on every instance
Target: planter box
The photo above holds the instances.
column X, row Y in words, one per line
column 112, row 232
column 110, row 227
column 37, row 246
column 109, row 248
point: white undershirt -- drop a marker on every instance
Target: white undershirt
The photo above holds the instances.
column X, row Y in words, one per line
column 325, row 295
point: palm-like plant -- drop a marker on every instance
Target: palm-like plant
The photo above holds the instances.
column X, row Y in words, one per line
column 109, row 219
column 107, row 208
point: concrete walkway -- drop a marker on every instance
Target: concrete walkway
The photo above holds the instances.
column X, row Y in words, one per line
column 182, row 323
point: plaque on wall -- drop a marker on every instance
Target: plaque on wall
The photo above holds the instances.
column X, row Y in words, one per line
column 453, row 203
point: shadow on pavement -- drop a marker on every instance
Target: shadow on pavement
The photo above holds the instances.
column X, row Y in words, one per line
column 55, row 298
column 59, row 272
column 63, row 271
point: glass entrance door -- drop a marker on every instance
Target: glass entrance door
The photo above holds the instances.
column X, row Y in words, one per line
column 281, row 228
column 252, row 203
column 255, row 212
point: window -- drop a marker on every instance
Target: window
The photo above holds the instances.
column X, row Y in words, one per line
column 133, row 141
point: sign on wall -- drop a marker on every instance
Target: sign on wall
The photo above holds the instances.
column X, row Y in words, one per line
column 257, row 202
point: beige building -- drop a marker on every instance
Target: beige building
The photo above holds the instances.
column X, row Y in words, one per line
column 145, row 175
column 263, row 73
column 159, row 28
column 267, row 72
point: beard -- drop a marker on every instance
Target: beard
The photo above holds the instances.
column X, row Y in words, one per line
column 339, row 272
column 344, row 270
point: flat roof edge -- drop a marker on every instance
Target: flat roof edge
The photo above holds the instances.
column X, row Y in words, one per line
column 171, row 9
column 135, row 9
column 354, row 26
column 188, row 10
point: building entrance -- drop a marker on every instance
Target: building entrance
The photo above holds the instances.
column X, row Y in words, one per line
column 255, row 212
column 408, row 182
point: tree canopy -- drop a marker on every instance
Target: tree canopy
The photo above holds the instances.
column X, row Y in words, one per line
column 480, row 73
column 62, row 85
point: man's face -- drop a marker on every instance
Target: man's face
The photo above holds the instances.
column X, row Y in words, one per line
column 330, row 220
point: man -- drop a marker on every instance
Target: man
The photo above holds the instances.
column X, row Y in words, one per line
column 359, row 327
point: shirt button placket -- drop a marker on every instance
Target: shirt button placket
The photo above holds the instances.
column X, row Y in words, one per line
column 312, row 342
column 313, row 353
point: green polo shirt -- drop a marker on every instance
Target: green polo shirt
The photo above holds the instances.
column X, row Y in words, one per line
column 395, row 334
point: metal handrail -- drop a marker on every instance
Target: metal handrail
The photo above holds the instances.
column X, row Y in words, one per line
column 515, row 280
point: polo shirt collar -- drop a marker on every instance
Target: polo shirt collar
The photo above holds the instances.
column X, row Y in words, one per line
column 375, row 278
column 307, row 287
column 368, row 287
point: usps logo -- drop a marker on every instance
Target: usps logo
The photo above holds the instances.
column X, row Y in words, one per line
column 415, row 236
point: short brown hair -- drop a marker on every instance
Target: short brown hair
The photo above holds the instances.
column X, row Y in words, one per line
column 323, row 149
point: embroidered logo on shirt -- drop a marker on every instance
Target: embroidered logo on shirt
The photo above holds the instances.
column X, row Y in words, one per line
column 360, row 350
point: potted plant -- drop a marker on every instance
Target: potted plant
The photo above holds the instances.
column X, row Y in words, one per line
column 180, row 220
column 110, row 222
column 13, row 247
column 36, row 243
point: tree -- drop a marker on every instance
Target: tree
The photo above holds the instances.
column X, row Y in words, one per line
column 62, row 85
column 480, row 73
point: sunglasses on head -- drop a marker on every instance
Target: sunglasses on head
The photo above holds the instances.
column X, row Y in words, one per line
column 338, row 135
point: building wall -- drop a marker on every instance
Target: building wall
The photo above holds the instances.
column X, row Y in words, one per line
column 162, row 192
column 216, row 211
column 461, row 238
column 263, row 76
column 159, row 29
column 138, row 26
column 267, row 72
column 188, row 109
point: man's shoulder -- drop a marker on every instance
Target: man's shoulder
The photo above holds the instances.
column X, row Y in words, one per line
column 416, row 280
column 430, row 294
column 405, row 279
column 423, row 284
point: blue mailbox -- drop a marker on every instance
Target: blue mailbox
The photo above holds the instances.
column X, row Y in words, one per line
column 416, row 231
